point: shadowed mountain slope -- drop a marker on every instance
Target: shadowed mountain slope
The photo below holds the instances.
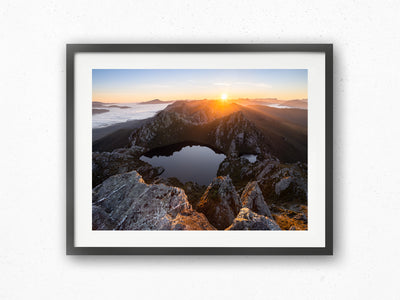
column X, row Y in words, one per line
column 229, row 127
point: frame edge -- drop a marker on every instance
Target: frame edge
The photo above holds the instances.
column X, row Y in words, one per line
column 72, row 49
column 70, row 147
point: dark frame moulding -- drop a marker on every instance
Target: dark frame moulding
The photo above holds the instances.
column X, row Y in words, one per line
column 327, row 49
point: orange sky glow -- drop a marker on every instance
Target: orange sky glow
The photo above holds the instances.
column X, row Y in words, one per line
column 126, row 86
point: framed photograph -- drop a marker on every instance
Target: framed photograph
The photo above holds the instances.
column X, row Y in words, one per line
column 199, row 149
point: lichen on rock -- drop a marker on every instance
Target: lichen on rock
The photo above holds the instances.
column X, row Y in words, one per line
column 249, row 220
column 253, row 199
column 126, row 202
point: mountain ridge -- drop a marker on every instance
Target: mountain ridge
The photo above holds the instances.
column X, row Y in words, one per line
column 231, row 128
column 154, row 101
column 273, row 189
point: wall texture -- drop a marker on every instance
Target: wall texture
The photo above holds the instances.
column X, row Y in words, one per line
column 33, row 35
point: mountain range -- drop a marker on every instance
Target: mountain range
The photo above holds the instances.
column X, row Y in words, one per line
column 278, row 137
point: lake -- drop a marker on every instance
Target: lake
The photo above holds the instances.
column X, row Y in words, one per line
column 186, row 162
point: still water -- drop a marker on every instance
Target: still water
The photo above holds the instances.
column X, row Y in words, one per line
column 187, row 163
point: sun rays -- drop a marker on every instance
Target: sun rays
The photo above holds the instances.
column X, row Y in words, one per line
column 224, row 97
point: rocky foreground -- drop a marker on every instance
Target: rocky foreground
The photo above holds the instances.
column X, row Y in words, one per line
column 267, row 194
column 126, row 202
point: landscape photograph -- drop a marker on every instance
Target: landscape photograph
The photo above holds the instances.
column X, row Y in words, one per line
column 199, row 149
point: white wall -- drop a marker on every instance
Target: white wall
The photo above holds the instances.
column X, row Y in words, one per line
column 366, row 41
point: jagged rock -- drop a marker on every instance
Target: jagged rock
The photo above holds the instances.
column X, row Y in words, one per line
column 235, row 134
column 291, row 180
column 279, row 182
column 106, row 164
column 227, row 129
column 253, row 199
column 301, row 217
column 249, row 220
column 100, row 219
column 238, row 167
column 188, row 220
column 201, row 112
column 220, row 202
column 126, row 202
column 193, row 190
column 290, row 217
column 166, row 128
column 282, row 182
column 266, row 167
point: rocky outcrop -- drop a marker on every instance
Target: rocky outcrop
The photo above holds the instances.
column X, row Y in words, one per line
column 166, row 128
column 235, row 134
column 284, row 182
column 202, row 112
column 126, row 202
column 193, row 190
column 249, row 220
column 290, row 217
column 220, row 202
column 188, row 220
column 106, row 164
column 279, row 182
column 239, row 168
column 230, row 128
column 226, row 130
column 253, row 199
column 294, row 176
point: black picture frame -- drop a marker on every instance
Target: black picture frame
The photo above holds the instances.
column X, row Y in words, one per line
column 73, row 49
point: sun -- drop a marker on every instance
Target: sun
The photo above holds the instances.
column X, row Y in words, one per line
column 224, row 97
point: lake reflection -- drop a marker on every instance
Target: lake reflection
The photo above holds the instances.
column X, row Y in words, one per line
column 188, row 163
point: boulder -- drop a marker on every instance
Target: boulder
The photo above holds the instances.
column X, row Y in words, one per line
column 249, row 220
column 126, row 202
column 282, row 182
column 220, row 202
column 188, row 220
column 253, row 199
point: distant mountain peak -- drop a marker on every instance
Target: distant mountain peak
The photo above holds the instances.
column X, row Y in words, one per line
column 155, row 101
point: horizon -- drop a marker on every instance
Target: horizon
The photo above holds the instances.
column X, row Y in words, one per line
column 140, row 85
column 205, row 99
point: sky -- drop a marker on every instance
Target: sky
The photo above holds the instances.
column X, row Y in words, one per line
column 135, row 85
